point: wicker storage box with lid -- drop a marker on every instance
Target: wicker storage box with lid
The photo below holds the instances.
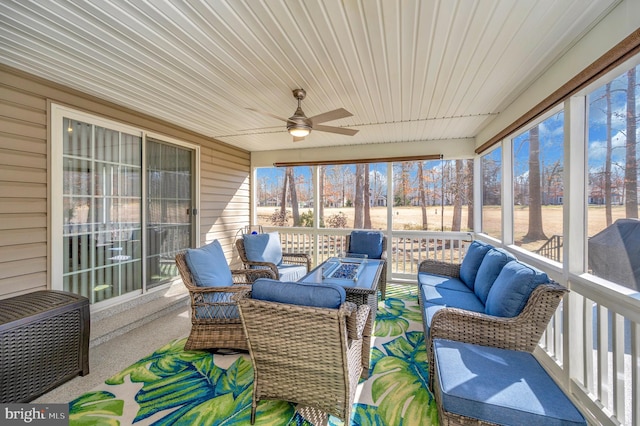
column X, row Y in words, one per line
column 44, row 342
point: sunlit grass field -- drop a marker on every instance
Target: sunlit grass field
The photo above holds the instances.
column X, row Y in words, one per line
column 438, row 219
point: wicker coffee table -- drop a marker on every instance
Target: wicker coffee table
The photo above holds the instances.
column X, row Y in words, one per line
column 359, row 277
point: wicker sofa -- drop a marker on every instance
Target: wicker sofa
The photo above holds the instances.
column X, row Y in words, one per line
column 490, row 299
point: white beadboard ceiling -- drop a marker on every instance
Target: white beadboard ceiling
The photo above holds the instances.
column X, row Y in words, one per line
column 408, row 70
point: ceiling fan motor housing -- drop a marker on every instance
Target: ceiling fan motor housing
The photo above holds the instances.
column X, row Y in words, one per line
column 299, row 121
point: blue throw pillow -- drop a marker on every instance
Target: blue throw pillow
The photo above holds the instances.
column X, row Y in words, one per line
column 209, row 266
column 295, row 293
column 263, row 247
column 511, row 290
column 366, row 242
column 489, row 270
column 471, row 262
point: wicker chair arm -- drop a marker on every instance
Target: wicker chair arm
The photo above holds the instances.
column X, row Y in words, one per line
column 248, row 276
column 262, row 265
column 235, row 288
column 478, row 328
column 297, row 258
column 357, row 321
column 198, row 293
column 518, row 333
column 438, row 267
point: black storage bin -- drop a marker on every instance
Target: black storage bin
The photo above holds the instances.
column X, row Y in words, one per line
column 44, row 342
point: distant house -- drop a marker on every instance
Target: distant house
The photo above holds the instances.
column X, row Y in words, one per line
column 379, row 201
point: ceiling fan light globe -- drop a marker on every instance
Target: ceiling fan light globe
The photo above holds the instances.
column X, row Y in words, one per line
column 299, row 131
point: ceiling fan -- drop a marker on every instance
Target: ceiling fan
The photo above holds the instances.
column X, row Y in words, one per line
column 299, row 125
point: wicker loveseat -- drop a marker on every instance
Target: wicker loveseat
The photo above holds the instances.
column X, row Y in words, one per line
column 490, row 299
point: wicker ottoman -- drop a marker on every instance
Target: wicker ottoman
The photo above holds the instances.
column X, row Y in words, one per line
column 44, row 342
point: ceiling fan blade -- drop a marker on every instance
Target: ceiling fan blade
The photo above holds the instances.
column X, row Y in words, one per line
column 332, row 129
column 269, row 114
column 298, row 139
column 330, row 115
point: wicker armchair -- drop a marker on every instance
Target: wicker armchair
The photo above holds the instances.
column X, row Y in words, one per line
column 382, row 285
column 215, row 322
column 521, row 332
column 307, row 355
column 302, row 259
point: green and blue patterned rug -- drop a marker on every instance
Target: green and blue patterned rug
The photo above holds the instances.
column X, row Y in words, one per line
column 177, row 387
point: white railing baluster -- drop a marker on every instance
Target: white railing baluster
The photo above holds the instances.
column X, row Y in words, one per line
column 618, row 366
column 603, row 356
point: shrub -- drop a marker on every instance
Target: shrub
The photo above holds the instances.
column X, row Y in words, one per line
column 338, row 220
column 280, row 218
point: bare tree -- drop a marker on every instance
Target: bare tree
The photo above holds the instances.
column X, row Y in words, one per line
column 323, row 171
column 457, row 194
column 631, row 162
column 283, row 197
column 358, row 215
column 423, row 195
column 535, row 231
column 403, row 187
column 367, row 200
column 293, row 196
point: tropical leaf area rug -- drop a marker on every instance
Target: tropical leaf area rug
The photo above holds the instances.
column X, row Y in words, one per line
column 177, row 387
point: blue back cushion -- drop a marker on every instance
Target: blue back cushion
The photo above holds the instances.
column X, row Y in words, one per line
column 471, row 262
column 366, row 242
column 489, row 270
column 295, row 293
column 263, row 247
column 511, row 290
column 208, row 266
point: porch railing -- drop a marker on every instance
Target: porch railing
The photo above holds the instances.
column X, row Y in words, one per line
column 591, row 345
column 405, row 249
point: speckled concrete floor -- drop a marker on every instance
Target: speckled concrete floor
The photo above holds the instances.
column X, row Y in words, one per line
column 110, row 357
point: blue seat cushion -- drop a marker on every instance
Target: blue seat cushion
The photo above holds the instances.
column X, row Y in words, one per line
column 208, row 266
column 366, row 242
column 500, row 386
column 263, row 247
column 442, row 281
column 451, row 298
column 511, row 290
column 291, row 272
column 471, row 262
column 306, row 294
column 489, row 270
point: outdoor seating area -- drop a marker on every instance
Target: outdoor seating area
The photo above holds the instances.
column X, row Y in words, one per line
column 309, row 339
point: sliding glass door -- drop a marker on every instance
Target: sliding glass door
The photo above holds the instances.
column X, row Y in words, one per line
column 127, row 207
column 169, row 208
